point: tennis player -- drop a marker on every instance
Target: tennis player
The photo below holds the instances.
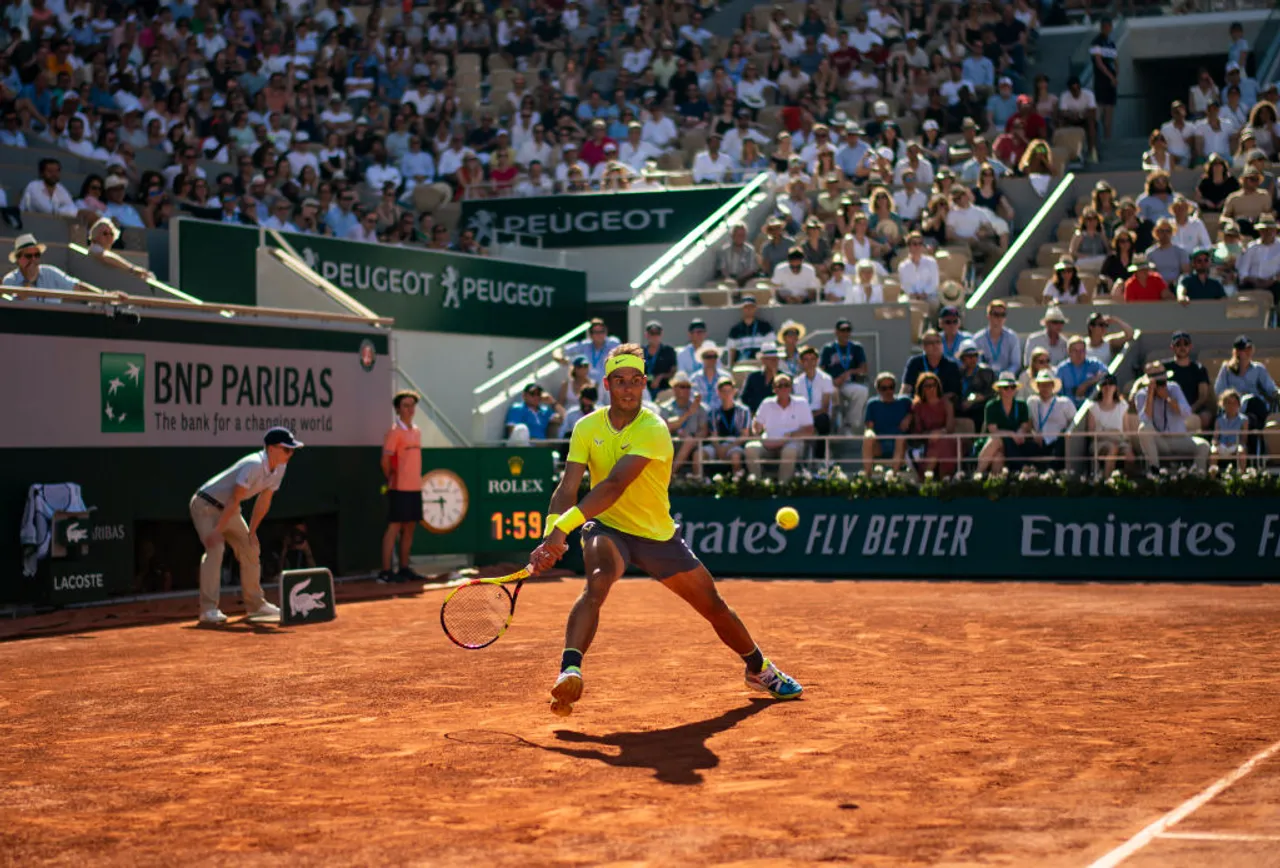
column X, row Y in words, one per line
column 626, row 519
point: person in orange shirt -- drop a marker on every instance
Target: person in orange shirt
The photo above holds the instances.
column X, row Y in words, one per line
column 402, row 467
column 1144, row 283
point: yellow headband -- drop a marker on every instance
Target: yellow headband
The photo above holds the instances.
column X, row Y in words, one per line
column 623, row 360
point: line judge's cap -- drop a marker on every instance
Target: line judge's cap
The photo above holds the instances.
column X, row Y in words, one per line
column 281, row 437
column 697, row 324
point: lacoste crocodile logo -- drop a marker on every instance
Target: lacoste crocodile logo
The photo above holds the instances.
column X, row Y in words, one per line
column 301, row 605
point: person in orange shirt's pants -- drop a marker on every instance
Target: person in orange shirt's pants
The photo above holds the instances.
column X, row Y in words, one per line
column 402, row 467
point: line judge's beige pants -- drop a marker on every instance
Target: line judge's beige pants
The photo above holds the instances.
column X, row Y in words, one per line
column 205, row 517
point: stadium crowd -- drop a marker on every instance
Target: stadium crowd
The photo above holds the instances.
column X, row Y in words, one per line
column 278, row 114
column 886, row 129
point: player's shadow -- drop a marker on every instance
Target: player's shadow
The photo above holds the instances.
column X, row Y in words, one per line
column 677, row 754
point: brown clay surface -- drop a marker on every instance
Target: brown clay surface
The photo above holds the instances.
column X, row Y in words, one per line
column 943, row 724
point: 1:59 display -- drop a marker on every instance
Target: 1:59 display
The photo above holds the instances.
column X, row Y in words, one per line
column 516, row 525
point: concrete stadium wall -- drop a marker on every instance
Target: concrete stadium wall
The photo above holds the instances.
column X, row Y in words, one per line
column 449, row 366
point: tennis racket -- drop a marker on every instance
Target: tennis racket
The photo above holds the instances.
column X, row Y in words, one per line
column 475, row 615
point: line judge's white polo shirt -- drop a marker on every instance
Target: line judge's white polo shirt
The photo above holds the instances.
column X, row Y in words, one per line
column 249, row 473
column 779, row 421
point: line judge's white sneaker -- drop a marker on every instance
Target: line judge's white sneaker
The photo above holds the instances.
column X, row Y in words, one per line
column 212, row 618
column 265, row 612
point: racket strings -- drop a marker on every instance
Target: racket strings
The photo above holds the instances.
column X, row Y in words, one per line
column 477, row 614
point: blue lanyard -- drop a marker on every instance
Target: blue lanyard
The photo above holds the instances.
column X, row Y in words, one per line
column 597, row 355
column 649, row 361
column 845, row 363
column 808, row 388
column 1044, row 417
column 729, row 423
column 995, row 348
column 955, row 345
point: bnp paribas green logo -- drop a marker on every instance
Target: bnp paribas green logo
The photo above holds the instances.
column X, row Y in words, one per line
column 123, row 378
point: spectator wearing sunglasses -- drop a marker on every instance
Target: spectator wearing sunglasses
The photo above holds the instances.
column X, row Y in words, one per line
column 1001, row 348
column 781, row 425
column 1192, row 377
column 27, row 253
column 888, row 419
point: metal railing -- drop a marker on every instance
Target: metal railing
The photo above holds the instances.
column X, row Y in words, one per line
column 429, row 409
column 499, row 389
column 1017, row 252
column 679, row 254
column 117, row 300
column 825, row 453
column 507, row 190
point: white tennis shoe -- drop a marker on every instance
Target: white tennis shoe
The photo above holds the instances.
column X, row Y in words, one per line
column 265, row 611
column 212, row 618
column 567, row 691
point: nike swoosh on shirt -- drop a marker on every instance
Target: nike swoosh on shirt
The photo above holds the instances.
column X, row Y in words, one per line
column 624, row 447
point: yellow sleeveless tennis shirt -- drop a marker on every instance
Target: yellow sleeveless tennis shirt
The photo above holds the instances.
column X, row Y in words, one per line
column 643, row 509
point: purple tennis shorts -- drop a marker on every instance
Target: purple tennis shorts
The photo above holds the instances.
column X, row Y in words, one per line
column 661, row 559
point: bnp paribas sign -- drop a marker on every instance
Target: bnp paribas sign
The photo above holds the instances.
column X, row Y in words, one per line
column 594, row 219
column 149, row 393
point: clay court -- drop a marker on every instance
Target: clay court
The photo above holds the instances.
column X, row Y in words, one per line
column 943, row 724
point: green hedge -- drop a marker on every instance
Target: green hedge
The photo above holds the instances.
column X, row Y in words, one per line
column 1181, row 483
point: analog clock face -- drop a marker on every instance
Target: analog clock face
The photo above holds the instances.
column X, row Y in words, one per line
column 444, row 501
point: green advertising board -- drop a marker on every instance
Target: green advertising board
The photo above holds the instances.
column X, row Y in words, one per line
column 424, row 290
column 483, row 500
column 1016, row 538
column 596, row 219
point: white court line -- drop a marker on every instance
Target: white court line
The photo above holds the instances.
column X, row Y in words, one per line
column 1216, row 836
column 1151, row 832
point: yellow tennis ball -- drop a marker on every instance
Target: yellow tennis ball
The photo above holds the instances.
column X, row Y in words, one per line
column 787, row 518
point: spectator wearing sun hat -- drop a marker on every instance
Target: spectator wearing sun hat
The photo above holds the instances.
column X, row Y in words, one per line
column 1258, row 265
column 27, row 253
column 712, row 166
column 116, row 208
column 1051, row 416
column 1050, row 337
column 1144, row 283
column 1162, row 420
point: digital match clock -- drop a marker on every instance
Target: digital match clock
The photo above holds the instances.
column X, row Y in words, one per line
column 517, row 524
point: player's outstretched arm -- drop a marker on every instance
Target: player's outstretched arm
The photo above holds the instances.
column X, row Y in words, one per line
column 563, row 499
column 597, row 501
